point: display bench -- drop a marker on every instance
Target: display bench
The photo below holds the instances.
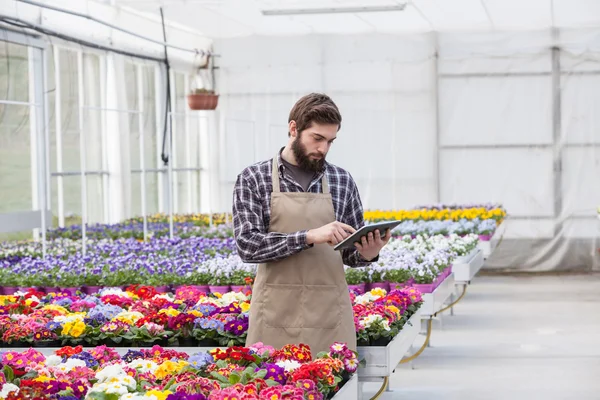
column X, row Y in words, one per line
column 379, row 362
column 348, row 392
column 465, row 268
column 434, row 302
column 488, row 246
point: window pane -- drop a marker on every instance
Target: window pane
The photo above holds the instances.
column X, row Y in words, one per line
column 131, row 86
column 151, row 194
column 72, row 196
column 14, row 72
column 182, row 192
column 92, row 129
column 95, row 199
column 15, row 159
column 92, row 121
column 69, row 100
column 151, row 136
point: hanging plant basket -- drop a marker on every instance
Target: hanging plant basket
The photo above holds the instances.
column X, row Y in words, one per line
column 203, row 100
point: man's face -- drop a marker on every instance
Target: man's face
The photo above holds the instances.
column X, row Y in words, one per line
column 311, row 146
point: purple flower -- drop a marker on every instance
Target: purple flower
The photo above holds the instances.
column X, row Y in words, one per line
column 199, row 360
column 184, row 396
column 274, row 372
column 238, row 326
column 132, row 355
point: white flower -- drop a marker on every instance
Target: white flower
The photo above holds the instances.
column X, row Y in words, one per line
column 70, row 365
column 369, row 320
column 143, row 366
column 166, row 296
column 365, row 298
column 232, row 297
column 53, row 360
column 133, row 396
column 289, row 365
column 108, row 291
column 8, row 388
column 109, row 388
column 111, row 371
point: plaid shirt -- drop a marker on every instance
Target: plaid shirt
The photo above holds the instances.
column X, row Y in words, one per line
column 252, row 212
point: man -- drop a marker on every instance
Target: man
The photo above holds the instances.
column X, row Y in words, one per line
column 288, row 213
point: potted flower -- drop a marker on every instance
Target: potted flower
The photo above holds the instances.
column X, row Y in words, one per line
column 202, row 99
column 150, row 334
column 399, row 278
column 355, row 278
column 69, row 283
column 241, row 281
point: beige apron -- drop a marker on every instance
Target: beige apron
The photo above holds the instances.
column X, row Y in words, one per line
column 302, row 298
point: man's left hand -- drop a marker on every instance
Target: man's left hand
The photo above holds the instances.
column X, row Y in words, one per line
column 372, row 243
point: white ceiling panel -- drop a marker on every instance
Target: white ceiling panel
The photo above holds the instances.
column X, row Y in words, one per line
column 577, row 13
column 234, row 18
column 519, row 14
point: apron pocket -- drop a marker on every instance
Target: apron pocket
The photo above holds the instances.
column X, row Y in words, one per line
column 281, row 306
column 321, row 306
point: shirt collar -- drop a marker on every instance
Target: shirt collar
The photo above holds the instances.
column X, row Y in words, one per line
column 281, row 167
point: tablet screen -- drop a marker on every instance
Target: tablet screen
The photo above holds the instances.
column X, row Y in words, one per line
column 348, row 243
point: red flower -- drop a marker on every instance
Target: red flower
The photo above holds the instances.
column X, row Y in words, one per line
column 69, row 351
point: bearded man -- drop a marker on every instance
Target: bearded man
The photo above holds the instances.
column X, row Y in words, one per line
column 288, row 213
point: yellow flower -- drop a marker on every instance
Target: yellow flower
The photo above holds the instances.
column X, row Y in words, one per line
column 158, row 394
column 171, row 312
column 78, row 329
column 378, row 292
column 53, row 307
column 66, row 328
column 42, row 378
column 393, row 309
column 169, row 368
column 4, row 300
column 245, row 306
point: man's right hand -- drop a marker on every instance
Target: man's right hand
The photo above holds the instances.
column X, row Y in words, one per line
column 332, row 233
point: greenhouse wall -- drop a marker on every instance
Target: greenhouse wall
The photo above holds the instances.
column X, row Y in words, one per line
column 448, row 117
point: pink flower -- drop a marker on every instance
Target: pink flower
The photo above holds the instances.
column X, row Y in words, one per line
column 261, row 349
column 224, row 394
column 271, row 393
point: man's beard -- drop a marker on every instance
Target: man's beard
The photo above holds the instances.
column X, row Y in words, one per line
column 304, row 160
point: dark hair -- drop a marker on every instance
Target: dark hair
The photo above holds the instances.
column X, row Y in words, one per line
column 315, row 107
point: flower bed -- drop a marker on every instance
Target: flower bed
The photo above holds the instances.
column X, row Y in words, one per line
column 423, row 262
column 483, row 228
column 141, row 317
column 431, row 214
column 255, row 372
column 158, row 262
column 209, row 263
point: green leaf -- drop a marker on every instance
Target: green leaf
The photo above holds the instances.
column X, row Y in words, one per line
column 219, row 377
column 271, row 382
column 8, row 374
column 261, row 374
column 234, row 378
column 168, row 385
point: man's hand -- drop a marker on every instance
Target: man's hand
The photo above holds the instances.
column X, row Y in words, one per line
column 332, row 233
column 371, row 244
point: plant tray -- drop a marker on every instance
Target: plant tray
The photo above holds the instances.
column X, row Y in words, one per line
column 465, row 271
column 381, row 361
column 433, row 302
column 349, row 391
column 488, row 247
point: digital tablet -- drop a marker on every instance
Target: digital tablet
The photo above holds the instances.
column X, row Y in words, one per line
column 348, row 243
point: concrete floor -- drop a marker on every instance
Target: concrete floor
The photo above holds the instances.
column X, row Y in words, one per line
column 511, row 338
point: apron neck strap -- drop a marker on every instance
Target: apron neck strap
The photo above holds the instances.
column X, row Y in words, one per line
column 325, row 184
column 275, row 178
